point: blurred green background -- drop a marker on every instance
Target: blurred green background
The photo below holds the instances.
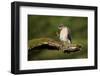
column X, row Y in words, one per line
column 40, row 26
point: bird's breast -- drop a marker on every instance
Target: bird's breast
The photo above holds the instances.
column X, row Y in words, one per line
column 64, row 34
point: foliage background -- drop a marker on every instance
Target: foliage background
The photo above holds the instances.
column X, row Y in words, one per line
column 40, row 26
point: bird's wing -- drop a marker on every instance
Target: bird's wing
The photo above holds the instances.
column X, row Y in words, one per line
column 69, row 35
column 69, row 31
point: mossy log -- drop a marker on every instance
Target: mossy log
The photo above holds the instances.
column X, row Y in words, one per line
column 48, row 43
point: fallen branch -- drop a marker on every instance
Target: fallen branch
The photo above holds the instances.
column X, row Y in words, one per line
column 48, row 43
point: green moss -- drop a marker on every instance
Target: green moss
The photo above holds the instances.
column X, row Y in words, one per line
column 36, row 42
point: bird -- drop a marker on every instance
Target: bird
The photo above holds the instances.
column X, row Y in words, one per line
column 65, row 34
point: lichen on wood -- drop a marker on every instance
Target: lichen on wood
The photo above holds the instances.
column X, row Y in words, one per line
column 48, row 43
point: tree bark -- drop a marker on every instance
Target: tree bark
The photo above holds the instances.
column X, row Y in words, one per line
column 48, row 43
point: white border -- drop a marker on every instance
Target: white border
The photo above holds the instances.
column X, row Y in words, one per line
column 26, row 65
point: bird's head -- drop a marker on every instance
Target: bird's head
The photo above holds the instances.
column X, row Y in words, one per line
column 60, row 26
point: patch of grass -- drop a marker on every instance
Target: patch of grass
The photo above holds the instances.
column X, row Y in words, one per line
column 46, row 54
